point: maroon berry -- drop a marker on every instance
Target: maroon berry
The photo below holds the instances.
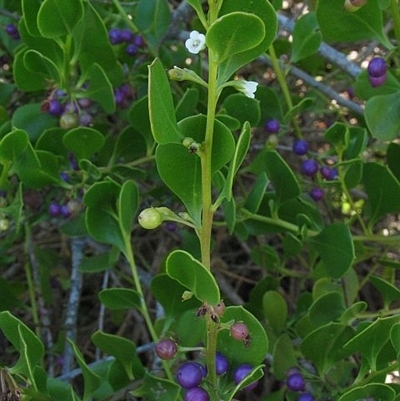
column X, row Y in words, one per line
column 317, row 194
column 300, row 147
column 272, row 126
column 309, row 167
column 166, row 348
column 221, row 364
column 239, row 331
column 189, row 375
column 295, row 382
column 241, row 372
column 196, row 394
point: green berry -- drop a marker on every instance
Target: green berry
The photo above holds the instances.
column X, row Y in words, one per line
column 150, row 218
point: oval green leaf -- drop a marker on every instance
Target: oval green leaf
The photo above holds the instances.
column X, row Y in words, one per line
column 120, row 298
column 83, row 142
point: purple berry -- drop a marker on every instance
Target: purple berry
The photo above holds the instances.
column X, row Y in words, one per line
column 127, row 36
column 221, row 364
column 54, row 209
column 131, row 49
column 309, row 167
column 55, row 107
column 377, row 81
column 300, row 147
column 295, row 382
column 189, row 375
column 85, row 120
column 241, row 372
column 84, row 102
column 196, row 394
column 64, row 211
column 138, row 41
column 115, row 36
column 306, row 397
column 12, row 31
column 166, row 348
column 64, row 176
column 376, row 67
column 328, row 173
column 272, row 126
column 119, row 96
column 317, row 194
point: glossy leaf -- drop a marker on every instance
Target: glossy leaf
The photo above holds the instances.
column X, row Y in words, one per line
column 120, row 298
column 275, row 310
column 388, row 291
column 12, row 145
column 234, row 33
column 336, row 248
column 284, row 356
column 381, row 114
column 370, row 391
column 327, row 308
column 383, row 190
column 257, row 193
column 265, row 11
column 122, row 349
column 353, row 172
column 193, row 275
column 306, row 37
column 30, row 10
column 243, row 108
column 187, row 104
column 364, row 24
column 83, row 142
column 35, row 61
column 161, row 107
column 128, row 203
column 393, row 157
column 170, row 390
column 58, row 17
column 236, row 351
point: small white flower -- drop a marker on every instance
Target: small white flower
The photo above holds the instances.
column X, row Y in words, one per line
column 196, row 42
column 247, row 87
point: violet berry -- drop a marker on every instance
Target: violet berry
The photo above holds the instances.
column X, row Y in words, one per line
column 295, row 382
column 272, row 126
column 377, row 81
column 138, row 41
column 300, row 147
column 55, row 107
column 166, row 348
column 189, row 375
column 241, row 372
column 306, row 397
column 196, row 394
column 131, row 49
column 309, row 167
column 127, row 35
column 377, row 71
column 85, row 120
column 221, row 364
column 54, row 209
column 329, row 173
column 12, row 31
column 317, row 194
column 64, row 211
column 115, row 36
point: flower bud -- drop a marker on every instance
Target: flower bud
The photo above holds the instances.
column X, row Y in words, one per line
column 150, row 218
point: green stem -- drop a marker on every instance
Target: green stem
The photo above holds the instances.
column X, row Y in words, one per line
column 285, row 89
column 394, row 9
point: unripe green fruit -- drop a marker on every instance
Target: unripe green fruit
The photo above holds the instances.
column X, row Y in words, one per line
column 69, row 120
column 4, row 224
column 150, row 218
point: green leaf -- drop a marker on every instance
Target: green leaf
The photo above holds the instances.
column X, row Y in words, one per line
column 257, row 193
column 356, row 143
column 58, row 17
column 161, row 107
column 304, row 104
column 153, row 19
column 139, row 118
column 393, row 156
column 234, row 33
column 371, row 340
column 192, row 274
column 364, row 24
column 284, row 356
column 123, row 350
column 35, row 61
column 275, row 309
column 265, row 11
column 30, row 9
column 12, row 145
column 127, row 206
column 389, row 292
column 120, row 298
column 28, row 345
column 306, row 37
column 327, row 308
column 353, row 172
column 154, row 388
column 371, row 391
column 91, row 380
column 381, row 115
column 383, row 190
column 238, row 352
column 243, row 108
column 181, row 172
column 335, row 245
column 187, row 104
column 83, row 142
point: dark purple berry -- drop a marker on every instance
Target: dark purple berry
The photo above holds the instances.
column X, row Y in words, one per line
column 241, row 372
column 328, row 173
column 115, row 36
column 85, row 120
column 295, row 382
column 309, row 167
column 64, row 211
column 138, row 41
column 306, row 397
column 300, row 147
column 64, row 176
column 54, row 209
column 131, row 49
column 221, row 364
column 376, row 67
column 196, row 394
column 55, row 107
column 119, row 96
column 272, row 126
column 317, row 194
column 12, row 31
column 84, row 102
column 127, row 36
column 189, row 375
column 377, row 81
column 166, row 348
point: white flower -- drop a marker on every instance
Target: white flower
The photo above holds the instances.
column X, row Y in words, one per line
column 247, row 87
column 196, row 42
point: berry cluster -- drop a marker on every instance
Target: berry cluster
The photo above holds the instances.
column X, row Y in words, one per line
column 12, row 31
column 310, row 168
column 377, row 71
column 125, row 36
column 295, row 382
